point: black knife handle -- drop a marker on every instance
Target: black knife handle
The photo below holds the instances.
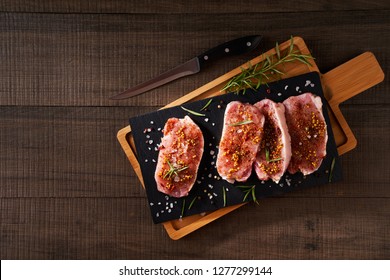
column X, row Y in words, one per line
column 233, row 47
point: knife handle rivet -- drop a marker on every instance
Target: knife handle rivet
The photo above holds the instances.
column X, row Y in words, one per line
column 205, row 57
column 227, row 50
column 248, row 44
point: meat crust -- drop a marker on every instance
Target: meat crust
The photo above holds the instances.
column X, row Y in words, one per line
column 308, row 131
column 274, row 154
column 181, row 151
column 241, row 136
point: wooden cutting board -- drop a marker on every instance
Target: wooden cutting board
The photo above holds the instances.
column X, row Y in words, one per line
column 339, row 84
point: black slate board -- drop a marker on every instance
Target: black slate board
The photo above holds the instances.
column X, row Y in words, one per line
column 210, row 192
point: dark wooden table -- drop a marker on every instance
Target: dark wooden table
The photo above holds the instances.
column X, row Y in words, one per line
column 67, row 191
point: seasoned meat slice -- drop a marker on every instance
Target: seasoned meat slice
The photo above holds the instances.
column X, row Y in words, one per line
column 275, row 148
column 181, row 151
column 241, row 136
column 307, row 128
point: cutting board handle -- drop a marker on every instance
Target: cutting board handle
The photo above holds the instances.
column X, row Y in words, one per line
column 352, row 78
column 346, row 81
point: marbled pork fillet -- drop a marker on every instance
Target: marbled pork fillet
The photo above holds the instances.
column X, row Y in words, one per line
column 181, row 151
column 241, row 136
column 308, row 131
column 274, row 154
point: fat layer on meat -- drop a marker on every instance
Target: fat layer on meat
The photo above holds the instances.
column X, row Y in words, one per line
column 308, row 131
column 274, row 154
column 241, row 136
column 181, row 151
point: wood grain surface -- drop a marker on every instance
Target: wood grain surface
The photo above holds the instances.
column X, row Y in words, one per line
column 67, row 190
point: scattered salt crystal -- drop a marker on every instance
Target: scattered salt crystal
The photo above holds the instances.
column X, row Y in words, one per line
column 214, row 156
column 227, row 189
column 166, row 197
column 308, row 136
column 239, row 131
column 151, row 122
column 279, row 94
column 262, row 182
column 210, row 175
column 166, row 208
column 281, row 185
column 149, row 148
column 162, row 211
column 150, row 142
column 159, row 203
column 171, row 205
column 315, row 135
column 202, row 178
column 157, row 215
column 210, row 144
column 199, row 182
column 300, row 143
column 147, row 136
column 205, row 191
column 175, row 202
column 146, row 160
column 206, row 119
column 288, row 182
column 169, row 210
column 297, row 89
column 286, row 87
column 212, row 152
column 213, row 124
column 151, row 203
column 211, row 186
column 153, row 160
column 308, row 82
column 159, row 129
column 156, row 149
column 215, row 194
column 312, row 85
column 212, row 163
column 203, row 214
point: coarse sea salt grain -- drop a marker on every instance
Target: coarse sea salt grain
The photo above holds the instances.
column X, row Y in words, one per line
column 297, row 89
column 151, row 122
column 151, row 203
column 279, row 94
column 285, row 87
column 206, row 119
column 308, row 82
column 212, row 152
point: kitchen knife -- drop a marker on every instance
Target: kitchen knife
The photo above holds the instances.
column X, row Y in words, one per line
column 193, row 66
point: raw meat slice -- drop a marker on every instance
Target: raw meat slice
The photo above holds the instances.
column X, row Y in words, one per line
column 181, row 151
column 241, row 136
column 275, row 148
column 308, row 130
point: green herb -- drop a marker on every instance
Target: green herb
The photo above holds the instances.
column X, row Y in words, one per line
column 241, row 123
column 249, row 190
column 331, row 170
column 259, row 74
column 192, row 202
column 267, row 157
column 182, row 208
column 173, row 170
column 193, row 112
column 224, row 196
column 207, row 105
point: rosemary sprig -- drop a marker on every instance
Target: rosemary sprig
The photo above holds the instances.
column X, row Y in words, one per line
column 259, row 74
column 249, row 190
column 267, row 157
column 241, row 123
column 193, row 112
column 207, row 105
column 173, row 170
column 331, row 170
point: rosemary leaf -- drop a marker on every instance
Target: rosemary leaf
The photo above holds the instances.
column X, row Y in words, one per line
column 224, row 196
column 192, row 202
column 253, row 191
column 193, row 112
column 241, row 123
column 266, row 154
column 182, row 208
column 246, row 195
column 275, row 159
column 277, row 50
column 331, row 170
column 207, row 105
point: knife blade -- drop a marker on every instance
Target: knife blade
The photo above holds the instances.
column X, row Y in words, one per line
column 234, row 47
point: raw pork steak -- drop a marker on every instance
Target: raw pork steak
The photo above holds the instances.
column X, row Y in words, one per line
column 307, row 128
column 275, row 149
column 179, row 157
column 241, row 136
